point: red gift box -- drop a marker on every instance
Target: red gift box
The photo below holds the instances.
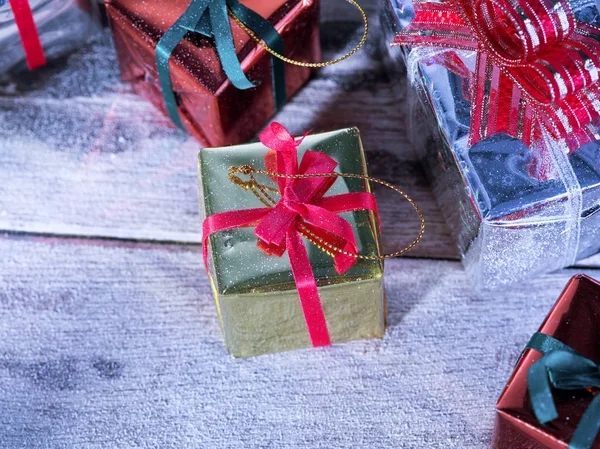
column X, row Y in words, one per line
column 575, row 322
column 210, row 107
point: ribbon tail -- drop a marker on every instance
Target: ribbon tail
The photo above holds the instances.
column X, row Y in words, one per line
column 164, row 49
column 540, row 392
column 478, row 96
column 269, row 34
column 588, row 428
column 30, row 39
column 307, row 290
column 221, row 29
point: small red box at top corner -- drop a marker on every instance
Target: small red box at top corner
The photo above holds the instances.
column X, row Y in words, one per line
column 210, row 107
column 574, row 321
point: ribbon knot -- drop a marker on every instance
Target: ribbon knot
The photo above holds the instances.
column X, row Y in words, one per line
column 290, row 199
column 302, row 211
column 536, row 41
column 302, row 208
column 563, row 368
column 537, row 65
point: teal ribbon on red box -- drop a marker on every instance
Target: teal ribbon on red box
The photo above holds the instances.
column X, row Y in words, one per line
column 563, row 368
column 210, row 18
column 30, row 39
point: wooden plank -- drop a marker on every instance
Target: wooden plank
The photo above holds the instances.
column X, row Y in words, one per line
column 590, row 262
column 118, row 345
column 80, row 155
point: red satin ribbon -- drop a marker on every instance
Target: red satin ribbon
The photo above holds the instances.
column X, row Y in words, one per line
column 537, row 66
column 302, row 205
column 30, row 39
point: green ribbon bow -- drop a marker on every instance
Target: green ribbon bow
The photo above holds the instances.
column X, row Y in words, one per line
column 563, row 368
column 210, row 19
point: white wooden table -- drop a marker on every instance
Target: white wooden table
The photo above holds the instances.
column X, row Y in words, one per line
column 108, row 332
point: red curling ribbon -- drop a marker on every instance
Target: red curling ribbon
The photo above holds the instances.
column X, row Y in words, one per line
column 537, row 66
column 303, row 205
column 30, row 39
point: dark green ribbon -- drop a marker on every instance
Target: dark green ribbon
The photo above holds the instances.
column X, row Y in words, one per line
column 210, row 19
column 563, row 368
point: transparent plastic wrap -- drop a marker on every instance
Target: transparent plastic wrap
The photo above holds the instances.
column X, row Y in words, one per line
column 515, row 210
column 62, row 25
column 390, row 17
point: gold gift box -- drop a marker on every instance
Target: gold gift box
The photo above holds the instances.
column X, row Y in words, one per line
column 256, row 296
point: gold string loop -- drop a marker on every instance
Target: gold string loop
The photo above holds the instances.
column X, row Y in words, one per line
column 260, row 42
column 262, row 192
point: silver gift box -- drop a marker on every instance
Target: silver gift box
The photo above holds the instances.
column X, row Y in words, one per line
column 508, row 224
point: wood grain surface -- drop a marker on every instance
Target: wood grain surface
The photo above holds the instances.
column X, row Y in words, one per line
column 83, row 156
column 117, row 345
column 108, row 331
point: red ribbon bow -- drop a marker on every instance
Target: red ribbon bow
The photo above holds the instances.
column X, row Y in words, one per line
column 303, row 207
column 30, row 39
column 537, row 66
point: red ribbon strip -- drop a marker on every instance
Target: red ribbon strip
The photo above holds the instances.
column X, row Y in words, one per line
column 30, row 39
column 537, row 66
column 302, row 205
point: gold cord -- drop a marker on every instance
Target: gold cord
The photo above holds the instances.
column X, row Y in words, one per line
column 261, row 192
column 260, row 42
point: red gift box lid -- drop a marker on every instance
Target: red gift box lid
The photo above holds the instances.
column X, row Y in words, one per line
column 575, row 321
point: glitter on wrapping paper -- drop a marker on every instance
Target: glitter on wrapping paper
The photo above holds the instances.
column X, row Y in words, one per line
column 202, row 87
column 77, row 127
